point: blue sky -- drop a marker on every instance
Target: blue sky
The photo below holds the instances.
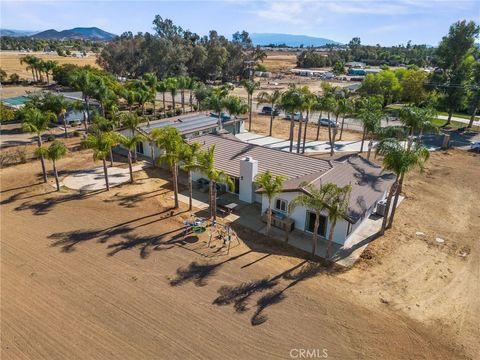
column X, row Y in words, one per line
column 385, row 22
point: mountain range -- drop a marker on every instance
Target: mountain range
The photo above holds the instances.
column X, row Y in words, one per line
column 264, row 39
column 90, row 33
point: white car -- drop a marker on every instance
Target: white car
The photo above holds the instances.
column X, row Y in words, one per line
column 475, row 146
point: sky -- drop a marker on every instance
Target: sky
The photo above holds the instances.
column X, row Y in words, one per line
column 374, row 21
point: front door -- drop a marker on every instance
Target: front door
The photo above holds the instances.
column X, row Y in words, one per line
column 322, row 228
column 140, row 148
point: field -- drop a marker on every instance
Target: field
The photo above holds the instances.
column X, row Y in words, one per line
column 280, row 61
column 107, row 275
column 10, row 61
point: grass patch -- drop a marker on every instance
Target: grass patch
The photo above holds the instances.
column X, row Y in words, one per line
column 462, row 116
column 454, row 124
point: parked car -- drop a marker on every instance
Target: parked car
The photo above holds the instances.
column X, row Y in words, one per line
column 475, row 146
column 296, row 116
column 267, row 110
column 327, row 122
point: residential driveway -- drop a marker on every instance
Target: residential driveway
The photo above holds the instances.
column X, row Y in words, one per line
column 94, row 179
column 310, row 146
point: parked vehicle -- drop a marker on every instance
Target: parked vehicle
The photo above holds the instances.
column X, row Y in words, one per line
column 267, row 110
column 296, row 116
column 327, row 122
column 475, row 146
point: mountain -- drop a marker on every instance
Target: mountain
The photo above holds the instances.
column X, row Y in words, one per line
column 16, row 33
column 289, row 40
column 92, row 33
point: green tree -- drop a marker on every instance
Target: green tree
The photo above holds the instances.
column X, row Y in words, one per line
column 190, row 154
column 250, row 87
column 272, row 186
column 170, row 143
column 130, row 143
column 339, row 68
column 152, row 83
column 36, row 122
column 162, row 87
column 48, row 67
column 54, row 152
column 273, row 99
column 235, row 106
column 309, row 103
column 292, row 101
column 172, row 86
column 370, row 113
column 337, row 205
column 132, row 122
column 474, row 93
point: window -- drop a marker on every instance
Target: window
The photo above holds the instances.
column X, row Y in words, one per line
column 349, row 228
column 281, row 205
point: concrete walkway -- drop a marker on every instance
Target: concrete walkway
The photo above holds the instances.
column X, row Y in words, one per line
column 94, row 179
column 310, row 146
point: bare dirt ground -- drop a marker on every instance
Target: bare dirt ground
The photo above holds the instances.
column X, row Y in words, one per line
column 10, row 61
column 281, row 129
column 108, row 275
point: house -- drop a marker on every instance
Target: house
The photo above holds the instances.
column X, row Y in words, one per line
column 244, row 161
column 188, row 125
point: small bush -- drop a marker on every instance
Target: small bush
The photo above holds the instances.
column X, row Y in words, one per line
column 169, row 113
column 149, row 111
column 76, row 133
column 178, row 111
column 50, row 137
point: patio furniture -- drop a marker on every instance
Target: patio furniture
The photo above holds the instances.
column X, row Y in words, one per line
column 280, row 221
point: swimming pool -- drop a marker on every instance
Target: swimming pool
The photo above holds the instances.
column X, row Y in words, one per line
column 15, row 101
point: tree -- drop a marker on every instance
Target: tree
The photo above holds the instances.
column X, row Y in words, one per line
column 172, row 86
column 314, row 199
column 162, row 87
column 54, row 152
column 152, row 83
column 82, row 80
column 235, row 106
column 310, row 102
column 385, row 84
column 339, row 68
column 216, row 102
column 474, row 93
column 36, row 122
column 131, row 121
column 413, row 87
column 3, row 75
column 250, row 86
column 101, row 145
column 417, row 120
column 337, row 204
column 344, row 106
column 400, row 161
column 48, row 67
column 454, row 62
column 292, row 101
column 370, row 113
column 170, row 142
column 190, row 154
column 207, row 163
column 130, row 143
column 273, row 99
column 271, row 185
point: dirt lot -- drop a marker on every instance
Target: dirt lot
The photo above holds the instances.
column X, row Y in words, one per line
column 107, row 275
column 10, row 61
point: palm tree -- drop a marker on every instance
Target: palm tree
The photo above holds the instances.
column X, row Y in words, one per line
column 29, row 60
column 337, row 204
column 313, row 198
column 190, row 154
column 235, row 106
column 207, row 165
column 250, row 86
column 417, row 120
column 36, row 122
column 170, row 142
column 216, row 102
column 309, row 103
column 162, row 87
column 82, row 80
column 101, row 144
column 344, row 106
column 54, row 152
column 292, row 100
column 48, row 67
column 131, row 121
column 191, row 86
column 130, row 143
column 172, row 86
column 152, row 82
column 400, row 161
column 130, row 96
column 272, row 185
column 273, row 100
column 370, row 114
column 182, row 82
column 320, row 106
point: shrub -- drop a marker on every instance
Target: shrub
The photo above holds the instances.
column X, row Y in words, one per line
column 169, row 113
column 50, row 137
column 76, row 133
column 178, row 111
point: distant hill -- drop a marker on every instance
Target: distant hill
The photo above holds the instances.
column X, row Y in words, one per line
column 16, row 33
column 289, row 40
column 92, row 33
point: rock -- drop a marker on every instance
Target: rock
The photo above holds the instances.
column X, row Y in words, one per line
column 419, row 233
column 440, row 241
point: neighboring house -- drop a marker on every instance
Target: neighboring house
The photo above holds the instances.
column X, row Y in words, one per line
column 244, row 161
column 189, row 126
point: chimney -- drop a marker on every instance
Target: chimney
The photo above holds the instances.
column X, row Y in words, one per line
column 248, row 171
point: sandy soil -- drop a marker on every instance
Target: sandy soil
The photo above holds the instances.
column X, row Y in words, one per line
column 280, row 61
column 281, row 129
column 10, row 61
column 107, row 275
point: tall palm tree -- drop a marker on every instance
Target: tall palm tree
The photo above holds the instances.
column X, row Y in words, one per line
column 417, row 120
column 82, row 80
column 130, row 96
column 344, row 106
column 152, row 83
column 216, row 102
column 313, row 199
column 54, row 152
column 190, row 154
column 162, row 87
column 36, row 122
column 400, row 161
column 273, row 99
column 101, row 145
column 370, row 114
column 182, row 82
column 337, row 205
column 29, row 60
column 235, row 106
column 48, row 67
column 272, row 186
column 292, row 101
column 130, row 143
column 320, row 106
column 170, row 142
column 309, row 104
column 131, row 121
column 192, row 85
column 207, row 164
column 250, row 86
column 172, row 86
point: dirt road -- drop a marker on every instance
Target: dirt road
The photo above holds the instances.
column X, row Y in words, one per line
column 107, row 275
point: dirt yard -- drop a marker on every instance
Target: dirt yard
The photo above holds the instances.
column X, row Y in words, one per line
column 109, row 275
